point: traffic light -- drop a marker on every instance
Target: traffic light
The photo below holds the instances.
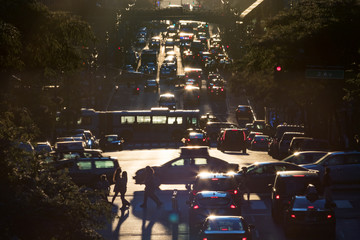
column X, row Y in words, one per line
column 278, row 72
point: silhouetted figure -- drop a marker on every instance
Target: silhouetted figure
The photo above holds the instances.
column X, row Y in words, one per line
column 327, row 185
column 123, row 189
column 243, row 185
column 118, row 182
column 104, row 186
column 150, row 187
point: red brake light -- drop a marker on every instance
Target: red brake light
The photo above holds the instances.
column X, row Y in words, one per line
column 214, row 179
column 277, row 196
column 293, row 216
column 235, row 191
column 298, row 175
column 224, row 229
column 222, row 89
column 310, row 207
column 196, row 207
column 329, row 216
column 232, row 206
column 194, row 192
column 244, row 238
column 214, row 197
column 254, row 141
column 205, row 239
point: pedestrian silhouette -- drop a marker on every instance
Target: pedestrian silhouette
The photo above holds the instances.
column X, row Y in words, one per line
column 150, row 187
column 120, row 186
column 103, row 186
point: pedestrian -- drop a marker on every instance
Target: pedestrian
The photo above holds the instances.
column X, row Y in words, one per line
column 150, row 187
column 327, row 186
column 123, row 189
column 104, row 186
column 243, row 185
column 117, row 180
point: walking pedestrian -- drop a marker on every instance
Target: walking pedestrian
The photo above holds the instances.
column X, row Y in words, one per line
column 123, row 189
column 119, row 186
column 103, row 186
column 243, row 185
column 150, row 187
column 327, row 185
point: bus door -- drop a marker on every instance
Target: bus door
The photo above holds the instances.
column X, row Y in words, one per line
column 106, row 123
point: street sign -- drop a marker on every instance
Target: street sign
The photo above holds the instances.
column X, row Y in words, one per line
column 324, row 73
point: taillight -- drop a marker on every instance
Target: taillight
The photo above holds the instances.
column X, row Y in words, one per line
column 329, row 216
column 235, row 191
column 254, row 142
column 293, row 216
column 204, row 239
column 232, row 206
column 194, row 192
column 277, row 196
column 222, row 89
column 196, row 207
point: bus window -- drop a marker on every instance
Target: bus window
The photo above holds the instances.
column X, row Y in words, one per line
column 159, row 119
column 175, row 120
column 192, row 121
column 143, row 119
column 127, row 119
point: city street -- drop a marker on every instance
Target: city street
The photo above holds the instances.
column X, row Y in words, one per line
column 164, row 223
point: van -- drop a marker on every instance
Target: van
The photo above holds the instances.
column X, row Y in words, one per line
column 288, row 184
column 167, row 100
column 232, row 139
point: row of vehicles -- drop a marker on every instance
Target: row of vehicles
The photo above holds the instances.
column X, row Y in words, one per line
column 216, row 191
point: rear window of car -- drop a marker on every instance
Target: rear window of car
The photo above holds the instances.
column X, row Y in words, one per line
column 214, row 201
column 104, row 164
column 225, row 224
column 234, row 135
column 305, row 203
column 215, row 184
column 297, row 185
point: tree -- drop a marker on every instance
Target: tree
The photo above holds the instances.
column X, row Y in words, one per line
column 38, row 202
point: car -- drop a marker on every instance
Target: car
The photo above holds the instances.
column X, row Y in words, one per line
column 112, row 142
column 87, row 171
column 204, row 119
column 260, row 142
column 305, row 157
column 72, row 154
column 295, row 144
column 344, row 166
column 310, row 215
column 216, row 181
column 285, row 141
column 310, row 144
column 69, row 145
column 185, row 168
column 260, row 175
column 288, row 184
column 250, row 137
column 206, row 203
column 167, row 100
column 213, row 128
column 232, row 139
column 43, row 148
column 244, row 113
column 217, row 91
column 151, row 85
column 273, row 148
column 226, row 227
column 198, row 138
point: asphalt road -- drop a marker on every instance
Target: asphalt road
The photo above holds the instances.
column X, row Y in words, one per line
column 163, row 223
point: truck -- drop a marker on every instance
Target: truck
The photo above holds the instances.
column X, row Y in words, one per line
column 149, row 55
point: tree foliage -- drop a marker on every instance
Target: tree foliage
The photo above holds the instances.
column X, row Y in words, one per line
column 45, row 41
column 38, row 202
column 319, row 32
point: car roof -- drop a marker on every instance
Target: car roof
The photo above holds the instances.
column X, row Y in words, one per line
column 209, row 175
column 194, row 151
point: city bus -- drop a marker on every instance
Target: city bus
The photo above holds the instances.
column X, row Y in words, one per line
column 156, row 124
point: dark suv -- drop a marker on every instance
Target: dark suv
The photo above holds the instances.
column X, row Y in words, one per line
column 288, row 184
column 232, row 139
